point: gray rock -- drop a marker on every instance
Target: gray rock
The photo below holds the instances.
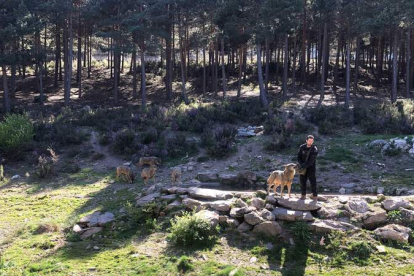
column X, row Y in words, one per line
column 241, row 203
column 240, row 212
column 253, row 218
column 221, row 205
column 168, row 198
column 258, row 203
column 407, row 215
column 372, row 220
column 244, row 227
column 269, row 207
column 247, row 177
column 267, row 215
column 172, row 205
column 394, row 232
column 147, row 199
column 326, row 226
column 298, row 204
column 208, row 176
column 394, row 204
column 91, row 219
column 90, row 232
column 77, row 229
column 191, row 203
column 342, row 191
column 210, row 216
column 400, row 191
column 379, row 143
column 348, row 185
column 380, row 190
column 208, row 193
column 105, row 218
column 358, row 205
column 271, row 200
column 233, row 223
column 229, row 179
column 343, row 199
column 291, row 215
column 268, row 228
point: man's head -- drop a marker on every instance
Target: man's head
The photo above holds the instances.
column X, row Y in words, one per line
column 309, row 140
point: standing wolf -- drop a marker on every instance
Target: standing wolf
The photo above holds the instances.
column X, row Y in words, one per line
column 307, row 160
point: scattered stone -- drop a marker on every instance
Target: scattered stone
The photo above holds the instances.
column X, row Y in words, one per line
column 269, row 246
column 172, row 205
column 358, row 205
column 343, row 199
column 380, row 190
column 267, row 215
column 207, row 176
column 395, row 203
column 90, row 220
column 253, row 260
column 326, row 226
column 77, row 229
column 374, row 219
column 379, row 143
column 298, row 204
column 221, row 205
column 381, row 249
column 269, row 207
column 253, row 218
column 193, row 203
column 342, row 191
column 95, row 248
column 291, row 215
column 209, row 193
column 400, row 191
column 90, row 232
column 271, row 200
column 234, row 223
column 210, row 216
column 269, row 228
column 244, row 227
column 105, row 218
column 393, row 232
column 15, row 177
column 258, row 203
column 147, row 199
column 407, row 215
column 241, row 203
column 240, row 212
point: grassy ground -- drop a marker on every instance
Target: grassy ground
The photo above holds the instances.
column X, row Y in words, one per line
column 36, row 240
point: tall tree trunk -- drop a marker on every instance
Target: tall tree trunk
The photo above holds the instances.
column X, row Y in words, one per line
column 68, row 72
column 348, row 72
column 143, row 79
column 116, row 68
column 357, row 54
column 277, row 64
column 134, row 73
column 79, row 73
column 6, row 98
column 323, row 61
column 338, row 53
column 204, row 70
column 267, row 66
column 294, row 65
column 223, row 69
column 168, row 75
column 57, row 57
column 241, row 58
column 285, row 67
column 182, row 57
column 244, row 63
column 263, row 98
column 395, row 67
column 303, row 57
column 408, row 69
column 216, row 64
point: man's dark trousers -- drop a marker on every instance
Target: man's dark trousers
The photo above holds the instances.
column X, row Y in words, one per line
column 310, row 174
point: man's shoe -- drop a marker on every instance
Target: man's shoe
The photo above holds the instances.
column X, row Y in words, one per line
column 303, row 197
column 314, row 197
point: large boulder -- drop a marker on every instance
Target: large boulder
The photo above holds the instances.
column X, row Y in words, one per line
column 392, row 204
column 210, row 216
column 407, row 215
column 148, row 199
column 393, row 232
column 268, row 228
column 358, row 205
column 240, row 212
column 191, row 203
column 90, row 220
column 105, row 218
column 221, row 205
column 229, row 179
column 271, row 200
column 258, row 203
column 90, row 232
column 372, row 220
column 253, row 218
column 326, row 226
column 244, row 227
column 299, row 204
column 208, row 193
column 291, row 215
column 208, row 176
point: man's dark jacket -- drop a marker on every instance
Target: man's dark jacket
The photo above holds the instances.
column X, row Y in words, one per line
column 302, row 153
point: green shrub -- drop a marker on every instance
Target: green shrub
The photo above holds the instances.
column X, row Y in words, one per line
column 278, row 142
column 301, row 232
column 339, row 116
column 184, row 264
column 190, row 230
column 327, row 127
column 361, row 249
column 16, row 133
column 149, row 136
column 395, row 216
column 178, row 146
column 104, row 139
column 46, row 165
column 337, row 246
column 224, row 142
column 274, row 125
column 125, row 142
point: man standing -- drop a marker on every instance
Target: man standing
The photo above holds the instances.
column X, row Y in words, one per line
column 307, row 160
